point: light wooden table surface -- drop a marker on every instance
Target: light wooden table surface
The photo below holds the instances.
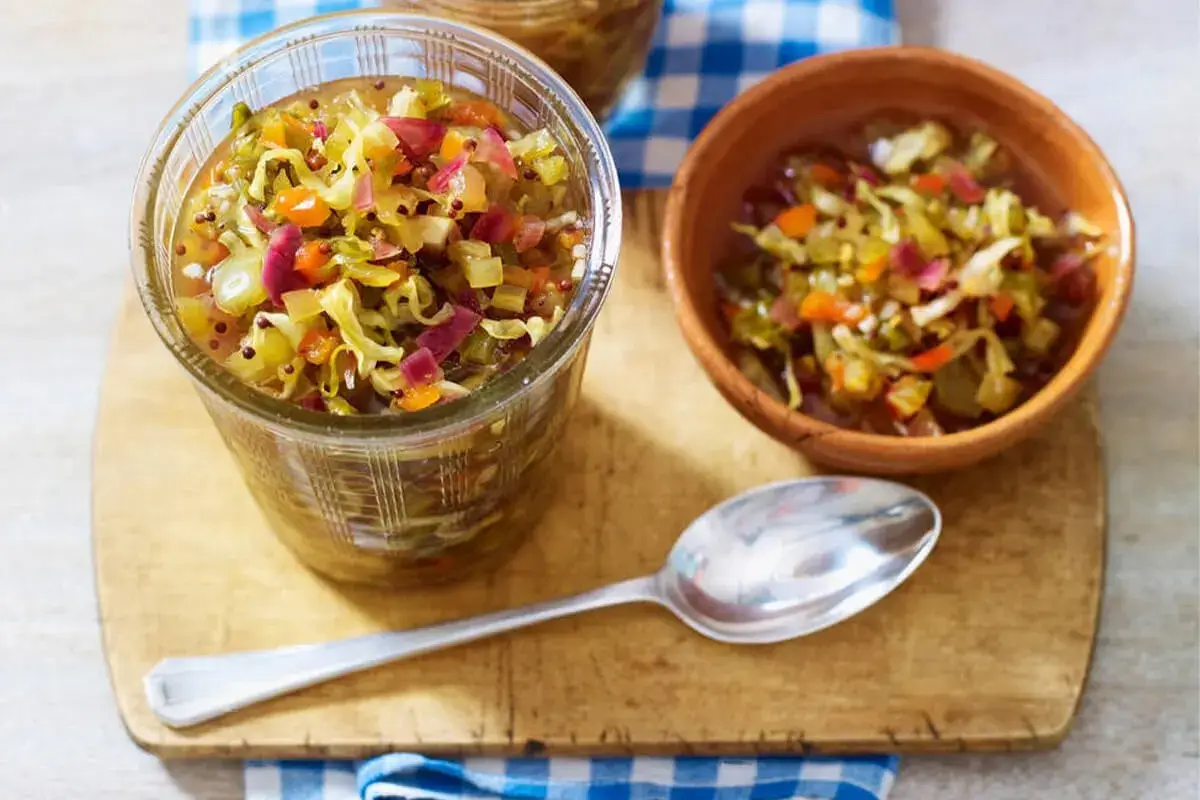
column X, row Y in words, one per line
column 82, row 86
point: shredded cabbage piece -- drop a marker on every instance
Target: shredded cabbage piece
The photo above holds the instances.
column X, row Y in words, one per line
column 237, row 281
column 898, row 155
column 889, row 226
column 982, row 276
column 504, row 328
column 775, row 242
column 341, row 302
column 418, row 293
column 936, row 308
column 539, row 327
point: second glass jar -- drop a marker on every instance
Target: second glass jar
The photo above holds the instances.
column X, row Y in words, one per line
column 598, row 46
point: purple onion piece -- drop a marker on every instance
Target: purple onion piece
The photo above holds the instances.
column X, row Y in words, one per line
column 420, row 368
column 279, row 275
column 443, row 339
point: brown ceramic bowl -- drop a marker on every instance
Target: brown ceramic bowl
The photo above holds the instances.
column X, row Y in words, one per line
column 820, row 101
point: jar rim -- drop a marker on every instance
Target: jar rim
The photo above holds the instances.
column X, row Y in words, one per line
column 482, row 405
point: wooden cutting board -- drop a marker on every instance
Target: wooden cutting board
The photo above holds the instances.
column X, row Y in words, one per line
column 985, row 648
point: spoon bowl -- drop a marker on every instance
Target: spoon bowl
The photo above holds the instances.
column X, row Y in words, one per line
column 776, row 563
column 791, row 558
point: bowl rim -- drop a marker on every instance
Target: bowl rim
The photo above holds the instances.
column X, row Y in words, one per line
column 773, row 416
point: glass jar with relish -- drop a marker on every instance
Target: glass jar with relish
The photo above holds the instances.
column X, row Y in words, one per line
column 596, row 45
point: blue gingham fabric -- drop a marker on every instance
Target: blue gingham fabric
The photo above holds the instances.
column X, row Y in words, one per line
column 414, row 777
column 704, row 53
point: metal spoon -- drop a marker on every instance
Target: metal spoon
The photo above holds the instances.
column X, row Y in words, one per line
column 775, row 563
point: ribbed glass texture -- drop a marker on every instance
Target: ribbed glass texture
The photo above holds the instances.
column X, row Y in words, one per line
column 392, row 499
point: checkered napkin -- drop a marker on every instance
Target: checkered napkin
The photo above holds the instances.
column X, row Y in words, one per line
column 704, row 53
column 414, row 777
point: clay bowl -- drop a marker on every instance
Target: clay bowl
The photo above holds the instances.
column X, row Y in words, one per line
column 820, row 101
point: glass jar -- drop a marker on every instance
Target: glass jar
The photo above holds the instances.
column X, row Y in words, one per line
column 597, row 45
column 390, row 499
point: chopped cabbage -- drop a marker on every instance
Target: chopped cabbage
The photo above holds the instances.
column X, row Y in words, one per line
column 775, row 242
column 418, row 293
column 983, row 147
column 341, row 302
column 237, row 281
column 889, row 225
column 936, row 308
column 504, row 328
column 407, row 103
column 982, row 275
column 538, row 144
column 925, row 142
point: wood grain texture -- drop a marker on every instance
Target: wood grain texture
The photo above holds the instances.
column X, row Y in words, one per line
column 986, row 648
column 120, row 64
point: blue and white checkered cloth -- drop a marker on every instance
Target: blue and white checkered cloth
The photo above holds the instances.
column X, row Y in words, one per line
column 415, row 777
column 704, row 53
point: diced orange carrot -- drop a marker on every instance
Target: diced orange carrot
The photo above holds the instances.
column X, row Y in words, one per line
column 211, row 252
column 318, row 345
column 836, row 371
column 797, row 221
column 272, row 132
column 540, row 276
column 933, row 359
column 302, row 206
column 452, row 144
column 873, row 270
column 930, row 183
column 419, row 397
column 479, row 113
column 568, row 239
column 824, row 307
column 825, row 175
column 1001, row 305
column 402, row 168
column 312, row 256
column 295, row 124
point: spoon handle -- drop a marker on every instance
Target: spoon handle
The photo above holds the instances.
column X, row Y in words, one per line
column 188, row 691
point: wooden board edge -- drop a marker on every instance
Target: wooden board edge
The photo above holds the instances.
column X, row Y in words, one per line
column 1062, row 730
column 945, row 743
column 124, row 714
